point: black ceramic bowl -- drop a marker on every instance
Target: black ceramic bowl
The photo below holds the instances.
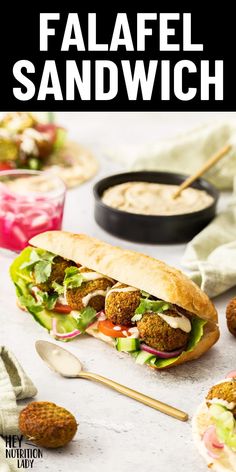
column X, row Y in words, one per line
column 152, row 229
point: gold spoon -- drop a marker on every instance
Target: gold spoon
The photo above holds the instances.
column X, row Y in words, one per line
column 66, row 364
column 206, row 166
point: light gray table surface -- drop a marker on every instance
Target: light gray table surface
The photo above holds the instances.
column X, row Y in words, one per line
column 116, row 433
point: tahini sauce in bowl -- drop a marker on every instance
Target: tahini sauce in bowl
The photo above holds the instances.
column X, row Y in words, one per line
column 147, row 198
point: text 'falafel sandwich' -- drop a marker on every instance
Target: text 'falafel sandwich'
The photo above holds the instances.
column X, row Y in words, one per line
column 74, row 284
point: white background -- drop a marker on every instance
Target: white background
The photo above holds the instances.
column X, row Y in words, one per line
column 116, row 433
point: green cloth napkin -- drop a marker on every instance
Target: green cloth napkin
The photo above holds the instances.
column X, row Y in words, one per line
column 186, row 153
column 14, row 385
column 211, row 255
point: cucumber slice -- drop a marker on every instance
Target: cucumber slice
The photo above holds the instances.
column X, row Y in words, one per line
column 127, row 344
column 44, row 319
column 65, row 323
column 143, row 357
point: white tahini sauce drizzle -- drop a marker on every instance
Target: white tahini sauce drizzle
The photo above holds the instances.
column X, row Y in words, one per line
column 229, row 379
column 61, row 299
column 87, row 298
column 134, row 332
column 175, row 322
column 117, row 288
column 221, row 401
column 93, row 275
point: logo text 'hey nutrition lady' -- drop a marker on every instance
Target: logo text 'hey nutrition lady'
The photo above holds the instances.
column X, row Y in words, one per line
column 145, row 57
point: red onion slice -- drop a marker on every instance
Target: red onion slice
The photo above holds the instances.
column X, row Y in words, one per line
column 231, row 375
column 211, row 441
column 101, row 315
column 70, row 335
column 162, row 354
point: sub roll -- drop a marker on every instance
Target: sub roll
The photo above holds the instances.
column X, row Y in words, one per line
column 73, row 284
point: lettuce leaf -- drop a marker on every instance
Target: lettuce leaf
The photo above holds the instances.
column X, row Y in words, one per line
column 21, row 274
column 60, row 139
column 147, row 305
column 33, row 258
column 58, row 288
column 26, row 299
column 34, row 304
column 17, row 268
column 40, row 262
column 42, row 271
column 85, row 317
column 225, row 425
column 195, row 336
column 73, row 278
column 47, row 300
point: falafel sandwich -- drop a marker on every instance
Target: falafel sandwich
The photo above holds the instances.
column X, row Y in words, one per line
column 32, row 141
column 214, row 426
column 74, row 284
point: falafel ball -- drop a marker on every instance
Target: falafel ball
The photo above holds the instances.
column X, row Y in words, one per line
column 231, row 316
column 156, row 332
column 120, row 306
column 224, row 391
column 57, row 275
column 74, row 296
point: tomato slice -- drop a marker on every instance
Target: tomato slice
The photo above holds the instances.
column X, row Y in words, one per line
column 114, row 331
column 49, row 129
column 6, row 166
column 62, row 309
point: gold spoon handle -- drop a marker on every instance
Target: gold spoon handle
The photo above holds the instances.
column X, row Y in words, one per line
column 140, row 397
column 206, row 166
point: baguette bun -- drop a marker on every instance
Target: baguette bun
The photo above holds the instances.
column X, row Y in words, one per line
column 140, row 271
column 130, row 268
column 226, row 462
